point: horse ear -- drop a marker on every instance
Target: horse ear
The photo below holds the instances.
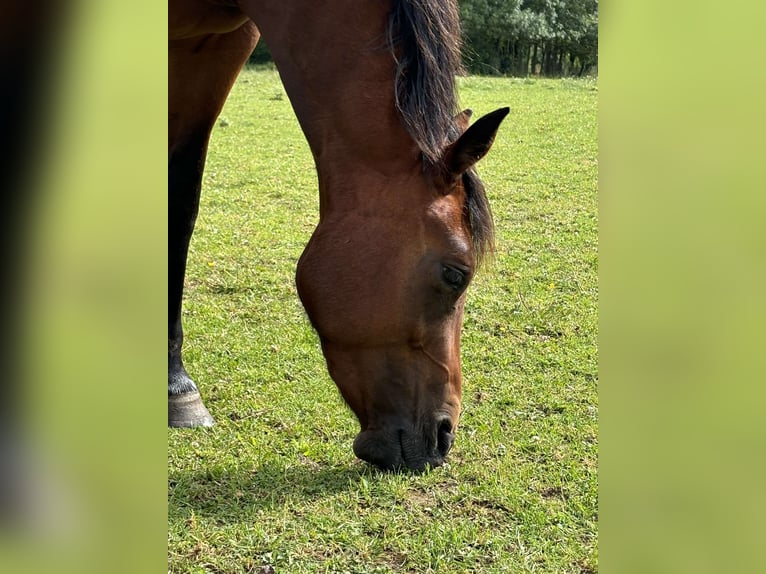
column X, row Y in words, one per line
column 474, row 144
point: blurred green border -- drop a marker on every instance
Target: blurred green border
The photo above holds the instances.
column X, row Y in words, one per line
column 682, row 282
column 682, row 211
column 95, row 440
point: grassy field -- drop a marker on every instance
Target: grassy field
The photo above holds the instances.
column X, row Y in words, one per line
column 274, row 486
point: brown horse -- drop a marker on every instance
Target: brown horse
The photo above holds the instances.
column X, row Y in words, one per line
column 403, row 218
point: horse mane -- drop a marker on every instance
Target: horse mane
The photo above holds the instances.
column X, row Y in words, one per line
column 424, row 38
column 479, row 216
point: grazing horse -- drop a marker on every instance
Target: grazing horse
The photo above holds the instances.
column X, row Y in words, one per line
column 403, row 217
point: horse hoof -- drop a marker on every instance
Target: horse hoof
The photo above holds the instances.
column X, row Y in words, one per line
column 188, row 410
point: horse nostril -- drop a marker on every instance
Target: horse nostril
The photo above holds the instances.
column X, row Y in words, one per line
column 444, row 436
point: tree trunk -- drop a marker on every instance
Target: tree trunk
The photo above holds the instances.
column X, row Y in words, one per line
column 546, row 60
column 522, row 60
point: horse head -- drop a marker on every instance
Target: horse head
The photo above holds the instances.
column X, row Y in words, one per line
column 384, row 282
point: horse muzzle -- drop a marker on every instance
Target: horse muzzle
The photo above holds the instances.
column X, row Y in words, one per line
column 399, row 448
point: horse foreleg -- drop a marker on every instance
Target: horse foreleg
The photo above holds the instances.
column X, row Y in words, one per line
column 185, row 406
column 202, row 70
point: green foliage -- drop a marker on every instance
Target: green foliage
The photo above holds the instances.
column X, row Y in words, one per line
column 274, row 486
column 261, row 55
column 521, row 37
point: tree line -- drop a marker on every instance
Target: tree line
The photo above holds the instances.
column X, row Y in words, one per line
column 522, row 37
column 530, row 37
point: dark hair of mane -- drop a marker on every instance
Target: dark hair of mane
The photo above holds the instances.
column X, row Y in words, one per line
column 424, row 38
column 479, row 216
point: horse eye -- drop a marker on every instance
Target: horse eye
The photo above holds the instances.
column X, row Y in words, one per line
column 453, row 277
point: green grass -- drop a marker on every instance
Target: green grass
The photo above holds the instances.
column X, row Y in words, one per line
column 275, row 483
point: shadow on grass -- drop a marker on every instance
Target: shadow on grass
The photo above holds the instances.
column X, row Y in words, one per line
column 229, row 495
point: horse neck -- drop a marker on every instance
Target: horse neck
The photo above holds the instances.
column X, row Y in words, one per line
column 339, row 75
